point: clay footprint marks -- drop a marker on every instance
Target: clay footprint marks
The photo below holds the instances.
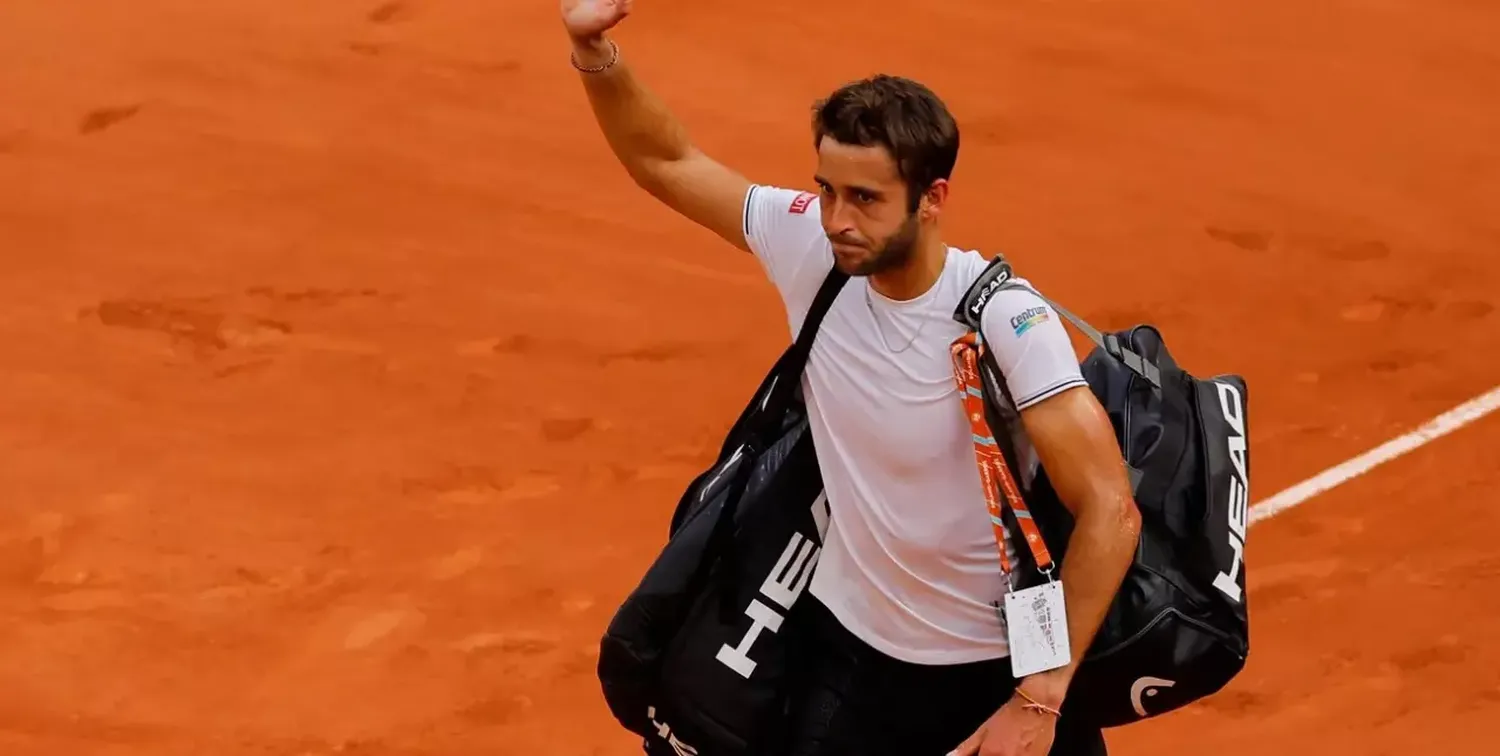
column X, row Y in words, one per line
column 34, row 558
column 391, row 12
column 99, row 119
column 215, row 328
column 1447, row 651
column 1252, row 239
column 666, row 353
column 660, row 353
column 1248, row 240
column 196, row 325
column 1354, row 252
column 474, row 485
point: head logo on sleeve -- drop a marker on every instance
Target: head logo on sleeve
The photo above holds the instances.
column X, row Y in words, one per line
column 800, row 204
column 1029, row 318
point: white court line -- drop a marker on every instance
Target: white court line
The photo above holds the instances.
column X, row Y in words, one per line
column 1439, row 426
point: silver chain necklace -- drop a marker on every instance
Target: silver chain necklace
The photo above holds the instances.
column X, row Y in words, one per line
column 870, row 305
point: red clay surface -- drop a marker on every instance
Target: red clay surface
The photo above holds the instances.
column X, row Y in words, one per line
column 347, row 382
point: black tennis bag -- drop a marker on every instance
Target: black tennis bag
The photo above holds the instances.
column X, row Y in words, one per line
column 1178, row 629
column 696, row 658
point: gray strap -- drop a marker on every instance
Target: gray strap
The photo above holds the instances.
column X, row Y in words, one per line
column 1109, row 343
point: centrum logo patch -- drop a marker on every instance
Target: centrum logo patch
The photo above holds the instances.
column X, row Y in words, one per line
column 1032, row 317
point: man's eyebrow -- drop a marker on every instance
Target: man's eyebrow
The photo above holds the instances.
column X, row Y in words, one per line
column 820, row 181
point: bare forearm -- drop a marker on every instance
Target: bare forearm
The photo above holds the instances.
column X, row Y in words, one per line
column 637, row 125
column 1076, row 445
column 647, row 139
column 1099, row 552
column 1100, row 549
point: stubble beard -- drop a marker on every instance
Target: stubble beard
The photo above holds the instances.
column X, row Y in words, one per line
column 893, row 253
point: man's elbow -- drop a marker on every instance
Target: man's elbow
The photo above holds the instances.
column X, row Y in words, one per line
column 647, row 175
column 1114, row 512
column 665, row 179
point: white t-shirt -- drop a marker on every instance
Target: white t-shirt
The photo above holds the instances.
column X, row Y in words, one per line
column 909, row 564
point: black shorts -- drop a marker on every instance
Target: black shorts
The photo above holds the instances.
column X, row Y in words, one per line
column 852, row 700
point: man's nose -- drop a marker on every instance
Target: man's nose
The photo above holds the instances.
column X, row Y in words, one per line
column 839, row 219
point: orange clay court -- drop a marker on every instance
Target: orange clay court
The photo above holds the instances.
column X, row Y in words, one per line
column 347, row 383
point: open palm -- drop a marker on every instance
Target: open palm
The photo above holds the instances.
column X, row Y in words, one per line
column 589, row 18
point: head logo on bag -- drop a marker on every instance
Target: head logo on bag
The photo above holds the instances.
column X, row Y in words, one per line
column 980, row 297
column 1144, row 687
column 786, row 581
column 1232, row 404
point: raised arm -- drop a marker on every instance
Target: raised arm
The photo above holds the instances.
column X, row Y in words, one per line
column 649, row 141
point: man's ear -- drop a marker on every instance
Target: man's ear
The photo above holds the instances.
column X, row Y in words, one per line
column 931, row 205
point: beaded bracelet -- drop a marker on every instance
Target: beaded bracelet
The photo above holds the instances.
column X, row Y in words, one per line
column 614, row 57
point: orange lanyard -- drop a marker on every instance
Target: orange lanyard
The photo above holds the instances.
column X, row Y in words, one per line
column 967, row 350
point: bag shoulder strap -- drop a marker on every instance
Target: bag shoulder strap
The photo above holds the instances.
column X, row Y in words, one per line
column 750, row 435
column 833, row 283
column 998, row 275
column 785, row 375
column 970, row 310
column 972, row 363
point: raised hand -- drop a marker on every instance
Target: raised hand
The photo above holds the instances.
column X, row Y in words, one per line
column 587, row 19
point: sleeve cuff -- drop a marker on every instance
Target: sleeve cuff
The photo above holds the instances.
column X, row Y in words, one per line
column 745, row 213
column 1049, row 392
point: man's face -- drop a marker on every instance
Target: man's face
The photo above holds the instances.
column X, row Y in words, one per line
column 865, row 209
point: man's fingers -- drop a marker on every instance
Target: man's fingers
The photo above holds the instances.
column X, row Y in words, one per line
column 969, row 747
